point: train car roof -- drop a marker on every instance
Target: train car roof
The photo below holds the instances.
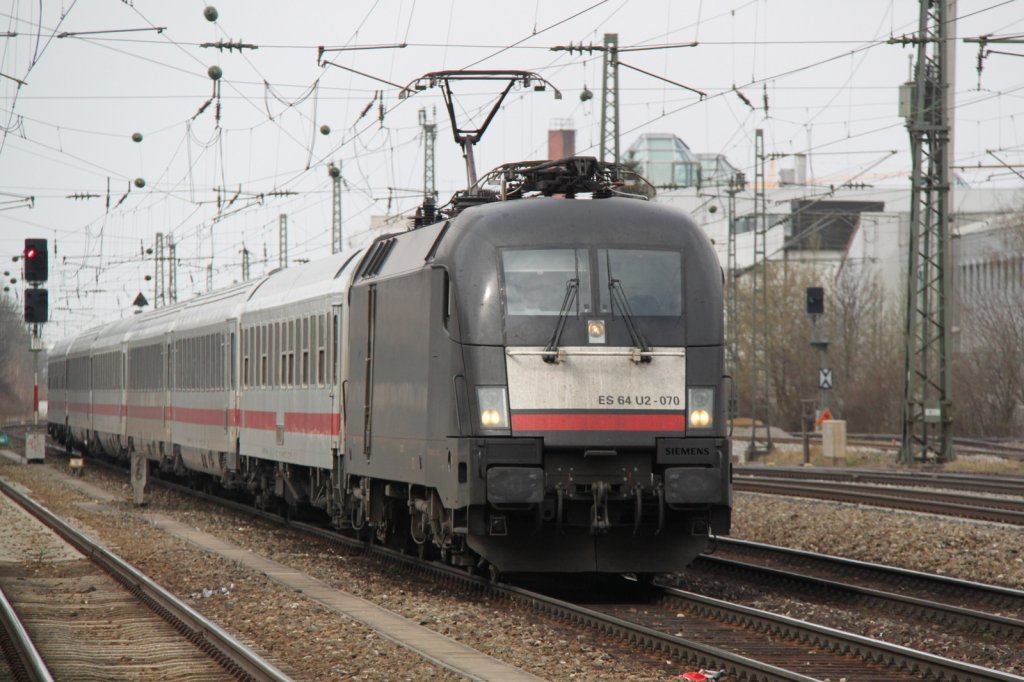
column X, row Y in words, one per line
column 60, row 348
column 308, row 281
column 83, row 342
column 206, row 309
column 110, row 336
column 214, row 307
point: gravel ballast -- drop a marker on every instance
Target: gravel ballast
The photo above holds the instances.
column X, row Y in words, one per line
column 311, row 642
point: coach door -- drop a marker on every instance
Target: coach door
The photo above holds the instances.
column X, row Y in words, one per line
column 232, row 411
column 122, row 385
column 335, row 375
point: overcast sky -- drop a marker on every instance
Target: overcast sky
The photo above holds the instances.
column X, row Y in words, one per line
column 81, row 78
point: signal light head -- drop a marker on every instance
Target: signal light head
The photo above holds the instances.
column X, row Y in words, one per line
column 36, row 269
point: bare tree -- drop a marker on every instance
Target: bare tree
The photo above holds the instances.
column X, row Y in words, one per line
column 866, row 347
column 867, row 351
column 15, row 361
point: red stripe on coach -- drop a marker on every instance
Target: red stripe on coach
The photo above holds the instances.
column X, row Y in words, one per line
column 597, row 421
column 315, row 423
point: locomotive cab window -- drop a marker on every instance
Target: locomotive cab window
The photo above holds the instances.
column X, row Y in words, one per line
column 649, row 281
column 642, row 282
column 540, row 281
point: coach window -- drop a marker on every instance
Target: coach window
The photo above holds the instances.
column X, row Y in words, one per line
column 305, row 351
column 275, row 350
column 313, row 330
column 263, row 358
column 243, row 367
column 282, row 361
column 321, row 352
column 335, row 347
column 291, row 352
column 245, row 357
column 257, row 351
column 254, row 333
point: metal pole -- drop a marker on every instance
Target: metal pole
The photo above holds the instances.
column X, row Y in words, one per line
column 429, row 138
column 736, row 185
column 35, row 375
column 610, row 99
column 159, row 292
column 760, row 408
column 335, row 173
column 282, row 241
column 927, row 405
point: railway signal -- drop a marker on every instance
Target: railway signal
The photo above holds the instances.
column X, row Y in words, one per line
column 815, row 301
column 815, row 308
column 36, row 306
column 35, row 260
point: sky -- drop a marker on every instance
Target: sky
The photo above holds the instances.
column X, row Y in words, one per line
column 220, row 161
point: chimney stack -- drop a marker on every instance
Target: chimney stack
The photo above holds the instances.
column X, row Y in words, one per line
column 561, row 139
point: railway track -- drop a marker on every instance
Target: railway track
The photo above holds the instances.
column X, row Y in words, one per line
column 883, row 441
column 761, row 646
column 1001, row 484
column 22, row 661
column 101, row 606
column 747, row 643
column 975, row 608
column 933, row 502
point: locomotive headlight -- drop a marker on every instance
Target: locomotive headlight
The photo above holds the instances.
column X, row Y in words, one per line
column 493, row 403
column 595, row 331
column 700, row 406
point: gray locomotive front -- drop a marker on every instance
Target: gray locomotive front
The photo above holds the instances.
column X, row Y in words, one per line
column 538, row 384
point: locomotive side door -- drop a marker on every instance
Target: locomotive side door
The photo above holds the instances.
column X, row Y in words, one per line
column 358, row 391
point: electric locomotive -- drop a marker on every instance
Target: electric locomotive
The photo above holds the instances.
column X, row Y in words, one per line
column 537, row 383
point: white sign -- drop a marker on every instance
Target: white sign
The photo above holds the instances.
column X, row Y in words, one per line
column 825, row 379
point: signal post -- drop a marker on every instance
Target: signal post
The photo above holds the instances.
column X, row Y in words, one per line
column 35, row 273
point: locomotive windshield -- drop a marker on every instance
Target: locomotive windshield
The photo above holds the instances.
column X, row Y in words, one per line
column 535, row 281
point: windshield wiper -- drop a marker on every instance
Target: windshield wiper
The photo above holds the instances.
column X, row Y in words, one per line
column 615, row 287
column 551, row 350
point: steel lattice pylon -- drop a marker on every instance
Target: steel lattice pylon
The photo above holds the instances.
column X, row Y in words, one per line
column 172, row 270
column 282, row 240
column 736, row 185
column 927, row 414
column 429, row 139
column 159, row 291
column 760, row 408
column 610, row 99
